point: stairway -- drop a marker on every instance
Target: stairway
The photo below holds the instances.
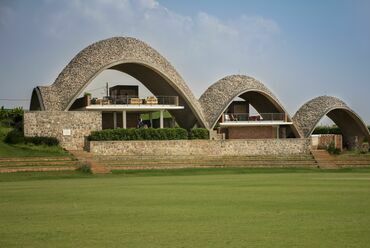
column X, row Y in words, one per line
column 179, row 162
column 324, row 159
column 33, row 164
column 88, row 158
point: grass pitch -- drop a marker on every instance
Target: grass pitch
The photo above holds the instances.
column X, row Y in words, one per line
column 183, row 208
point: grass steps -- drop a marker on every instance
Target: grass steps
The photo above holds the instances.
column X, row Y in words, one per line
column 179, row 162
column 37, row 163
column 34, row 169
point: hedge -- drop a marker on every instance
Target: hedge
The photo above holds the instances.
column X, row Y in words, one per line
column 139, row 134
column 48, row 141
column 199, row 133
column 327, row 130
column 17, row 137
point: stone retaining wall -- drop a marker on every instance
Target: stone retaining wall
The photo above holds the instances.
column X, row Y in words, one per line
column 202, row 147
column 76, row 125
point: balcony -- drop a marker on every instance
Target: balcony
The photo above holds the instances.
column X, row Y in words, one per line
column 260, row 119
column 133, row 103
column 135, row 100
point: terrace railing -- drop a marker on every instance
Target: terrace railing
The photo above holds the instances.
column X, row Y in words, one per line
column 235, row 117
column 150, row 100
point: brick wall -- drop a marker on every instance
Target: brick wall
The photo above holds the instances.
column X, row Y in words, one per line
column 52, row 124
column 252, row 132
column 202, row 147
column 325, row 140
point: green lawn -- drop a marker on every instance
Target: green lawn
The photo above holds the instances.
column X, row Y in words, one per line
column 27, row 150
column 187, row 208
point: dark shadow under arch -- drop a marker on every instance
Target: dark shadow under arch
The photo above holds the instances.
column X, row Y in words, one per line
column 352, row 127
column 218, row 97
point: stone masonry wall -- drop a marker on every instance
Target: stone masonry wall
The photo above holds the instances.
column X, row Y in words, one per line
column 202, row 147
column 52, row 124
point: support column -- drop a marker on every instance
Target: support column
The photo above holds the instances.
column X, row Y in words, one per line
column 278, row 132
column 124, row 120
column 161, row 119
column 150, row 119
column 114, row 120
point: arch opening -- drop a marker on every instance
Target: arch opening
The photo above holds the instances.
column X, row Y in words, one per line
column 158, row 86
column 219, row 97
column 353, row 131
column 255, row 116
column 36, row 101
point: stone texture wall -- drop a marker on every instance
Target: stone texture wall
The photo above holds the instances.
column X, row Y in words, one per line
column 353, row 128
column 202, row 147
column 105, row 54
column 219, row 95
column 52, row 123
column 310, row 113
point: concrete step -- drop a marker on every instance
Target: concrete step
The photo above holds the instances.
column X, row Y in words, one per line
column 33, row 169
column 38, row 163
column 88, row 158
column 324, row 159
column 210, row 162
column 31, row 159
column 184, row 166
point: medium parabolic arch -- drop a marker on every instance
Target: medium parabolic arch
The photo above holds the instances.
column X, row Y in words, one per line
column 218, row 97
column 351, row 125
column 128, row 55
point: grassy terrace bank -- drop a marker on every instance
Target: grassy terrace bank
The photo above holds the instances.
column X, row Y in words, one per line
column 187, row 208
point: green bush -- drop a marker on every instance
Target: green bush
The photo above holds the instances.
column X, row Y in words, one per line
column 48, row 141
column 332, row 149
column 15, row 136
column 327, row 130
column 11, row 117
column 85, row 168
column 139, row 134
column 199, row 133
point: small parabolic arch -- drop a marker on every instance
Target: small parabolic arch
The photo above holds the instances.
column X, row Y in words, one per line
column 130, row 56
column 352, row 126
column 216, row 99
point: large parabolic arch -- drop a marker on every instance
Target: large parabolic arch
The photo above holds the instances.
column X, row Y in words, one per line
column 351, row 125
column 136, row 58
column 218, row 97
column 127, row 55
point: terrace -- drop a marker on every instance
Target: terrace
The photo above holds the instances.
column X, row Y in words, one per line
column 260, row 119
column 124, row 108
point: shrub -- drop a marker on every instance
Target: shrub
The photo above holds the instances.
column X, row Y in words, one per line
column 199, row 133
column 84, row 168
column 332, row 149
column 327, row 130
column 139, row 134
column 48, row 141
column 14, row 137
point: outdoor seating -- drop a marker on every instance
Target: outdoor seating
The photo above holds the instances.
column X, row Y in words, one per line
column 151, row 100
column 254, row 118
column 135, row 101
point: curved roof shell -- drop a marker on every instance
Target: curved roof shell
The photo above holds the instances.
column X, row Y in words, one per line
column 128, row 55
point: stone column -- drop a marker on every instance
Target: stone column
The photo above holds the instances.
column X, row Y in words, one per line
column 150, row 119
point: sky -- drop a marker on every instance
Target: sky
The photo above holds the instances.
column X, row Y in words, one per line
column 298, row 49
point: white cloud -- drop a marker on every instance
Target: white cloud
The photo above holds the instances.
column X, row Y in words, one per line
column 202, row 47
